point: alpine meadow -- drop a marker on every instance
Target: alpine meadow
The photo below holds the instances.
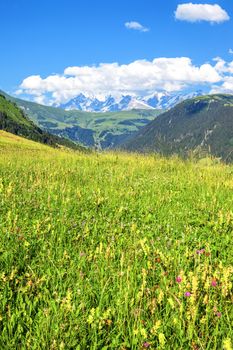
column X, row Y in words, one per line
column 116, row 175
column 113, row 251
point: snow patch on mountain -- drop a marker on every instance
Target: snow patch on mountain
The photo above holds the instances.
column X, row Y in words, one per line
column 111, row 103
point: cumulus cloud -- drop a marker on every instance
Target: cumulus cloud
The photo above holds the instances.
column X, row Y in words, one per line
column 201, row 12
column 138, row 78
column 136, row 26
column 225, row 88
column 225, row 69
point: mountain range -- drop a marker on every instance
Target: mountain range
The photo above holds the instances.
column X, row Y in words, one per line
column 200, row 126
column 100, row 130
column 163, row 101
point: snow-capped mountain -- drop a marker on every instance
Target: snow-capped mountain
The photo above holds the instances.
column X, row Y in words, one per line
column 127, row 102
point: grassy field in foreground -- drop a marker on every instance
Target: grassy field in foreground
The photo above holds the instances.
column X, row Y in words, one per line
column 113, row 251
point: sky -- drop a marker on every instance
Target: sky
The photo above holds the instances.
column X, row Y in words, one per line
column 50, row 51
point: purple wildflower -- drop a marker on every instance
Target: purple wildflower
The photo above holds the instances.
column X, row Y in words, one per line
column 214, row 283
column 187, row 294
column 218, row 314
column 146, row 345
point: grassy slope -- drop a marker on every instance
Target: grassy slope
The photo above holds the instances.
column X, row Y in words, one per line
column 91, row 246
column 100, row 128
column 13, row 143
column 14, row 120
column 14, row 113
column 202, row 124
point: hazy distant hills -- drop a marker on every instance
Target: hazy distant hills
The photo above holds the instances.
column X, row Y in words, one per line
column 110, row 103
column 201, row 125
column 101, row 130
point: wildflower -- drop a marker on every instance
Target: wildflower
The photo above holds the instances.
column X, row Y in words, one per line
column 194, row 346
column 108, row 322
column 156, row 327
column 146, row 345
column 227, row 344
column 162, row 339
column 29, row 283
column 143, row 332
column 194, row 285
column 91, row 316
column 160, row 296
column 218, row 314
column 214, row 283
column 171, row 302
column 187, row 294
column 178, row 279
column 203, row 320
column 90, row 319
column 82, row 254
column 200, row 251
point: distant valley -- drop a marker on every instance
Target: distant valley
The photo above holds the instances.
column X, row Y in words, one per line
column 202, row 125
column 101, row 124
column 99, row 130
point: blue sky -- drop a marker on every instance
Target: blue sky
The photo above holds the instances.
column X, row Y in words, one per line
column 47, row 36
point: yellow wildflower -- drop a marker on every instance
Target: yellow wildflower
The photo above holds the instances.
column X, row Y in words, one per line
column 155, row 328
column 227, row 344
column 162, row 340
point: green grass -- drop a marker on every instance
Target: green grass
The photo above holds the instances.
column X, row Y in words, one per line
column 15, row 121
column 13, row 113
column 91, row 247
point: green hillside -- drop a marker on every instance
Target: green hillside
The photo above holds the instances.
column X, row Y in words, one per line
column 113, row 251
column 103, row 130
column 203, row 125
column 14, row 120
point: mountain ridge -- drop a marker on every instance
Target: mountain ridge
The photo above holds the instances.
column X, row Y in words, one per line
column 127, row 102
column 201, row 126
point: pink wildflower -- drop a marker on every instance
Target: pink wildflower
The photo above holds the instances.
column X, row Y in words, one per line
column 146, row 345
column 178, row 279
column 214, row 283
column 187, row 294
column 200, row 251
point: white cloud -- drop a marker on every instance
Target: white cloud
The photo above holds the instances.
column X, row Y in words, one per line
column 136, row 26
column 225, row 69
column 230, row 51
column 201, row 12
column 225, row 88
column 138, row 78
column 169, row 74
